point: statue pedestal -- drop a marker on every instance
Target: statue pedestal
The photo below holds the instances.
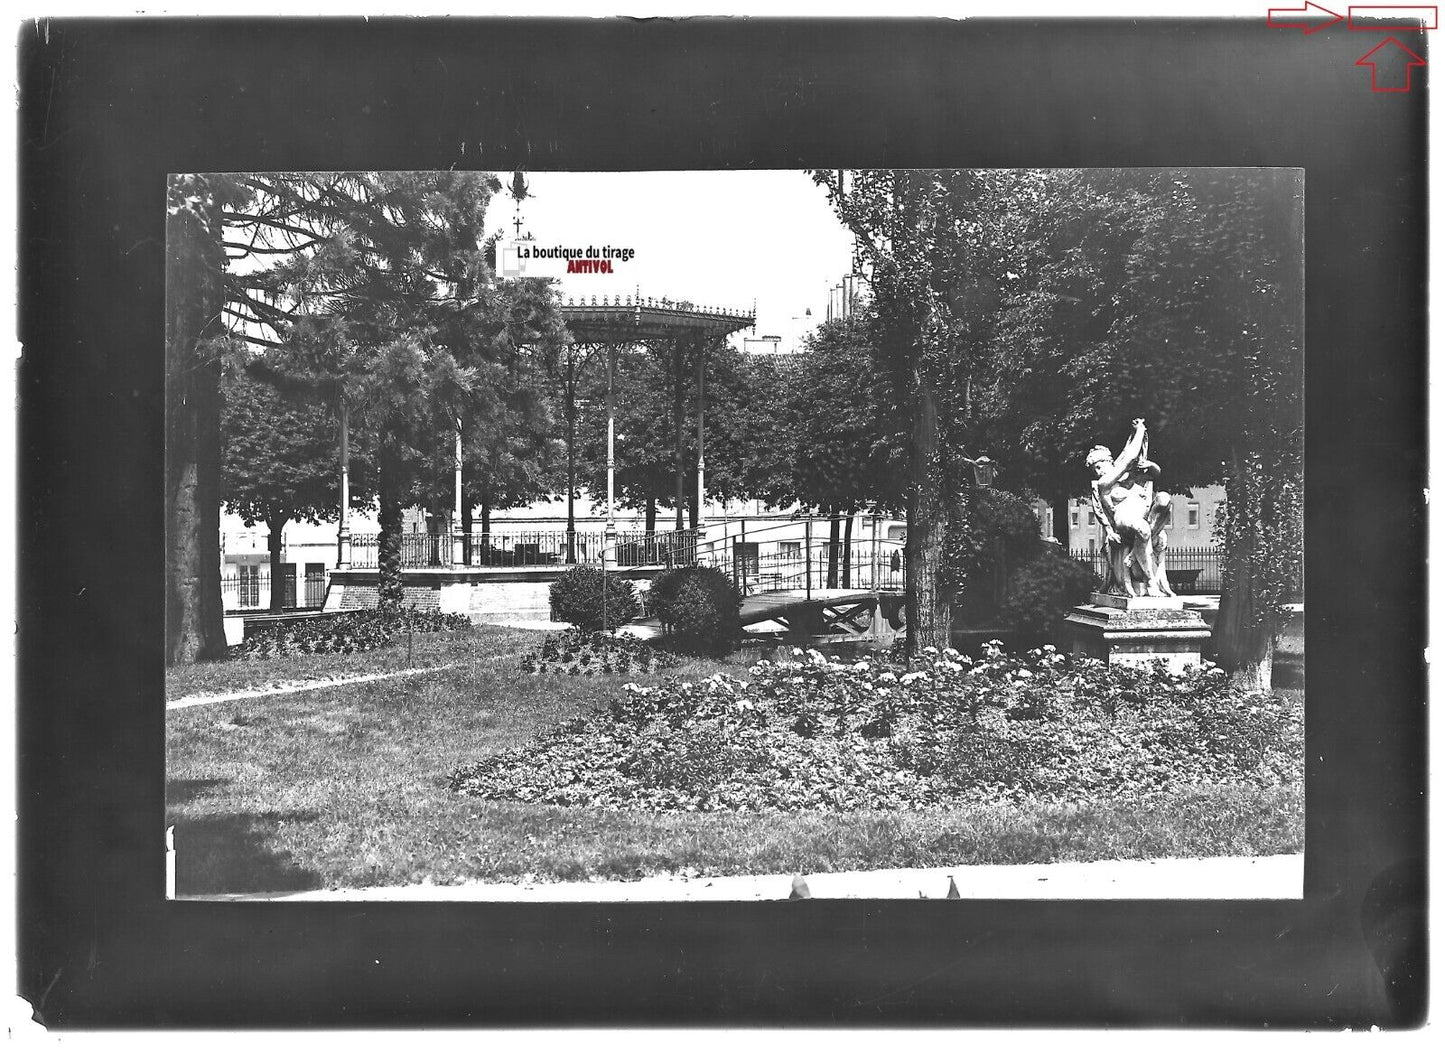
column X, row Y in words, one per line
column 1137, row 631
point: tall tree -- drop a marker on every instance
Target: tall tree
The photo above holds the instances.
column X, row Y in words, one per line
column 279, row 463
column 1175, row 296
column 913, row 230
column 1256, row 414
column 750, row 435
column 571, row 384
column 845, row 455
column 509, row 454
column 748, row 442
column 376, row 287
column 645, row 471
column 195, row 337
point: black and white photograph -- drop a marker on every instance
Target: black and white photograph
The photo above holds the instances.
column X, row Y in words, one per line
column 735, row 535
column 741, row 522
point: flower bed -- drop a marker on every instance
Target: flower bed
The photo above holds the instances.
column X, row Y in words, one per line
column 349, row 631
column 585, row 654
column 815, row 734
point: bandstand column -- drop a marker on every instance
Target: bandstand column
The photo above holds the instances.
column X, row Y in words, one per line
column 456, row 532
column 701, row 361
column 343, row 531
column 610, row 535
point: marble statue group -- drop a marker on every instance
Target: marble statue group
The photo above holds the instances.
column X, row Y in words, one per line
column 1133, row 517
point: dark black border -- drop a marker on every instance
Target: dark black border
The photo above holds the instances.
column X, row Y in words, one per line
column 108, row 108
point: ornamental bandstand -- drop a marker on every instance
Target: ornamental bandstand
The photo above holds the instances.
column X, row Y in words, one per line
column 470, row 575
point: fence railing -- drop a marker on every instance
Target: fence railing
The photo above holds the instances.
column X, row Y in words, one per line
column 532, row 549
column 252, row 592
column 1192, row 569
column 761, row 562
column 802, row 568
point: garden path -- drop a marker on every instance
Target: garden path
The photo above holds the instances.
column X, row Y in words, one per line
column 1212, row 878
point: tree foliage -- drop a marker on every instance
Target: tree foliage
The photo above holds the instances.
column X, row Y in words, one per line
column 1173, row 295
column 644, row 432
column 919, row 234
column 374, row 288
column 1033, row 314
column 279, row 463
column 845, row 450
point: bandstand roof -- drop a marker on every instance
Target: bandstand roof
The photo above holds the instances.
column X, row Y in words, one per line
column 635, row 319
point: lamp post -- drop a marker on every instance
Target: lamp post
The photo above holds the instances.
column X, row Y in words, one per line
column 984, row 468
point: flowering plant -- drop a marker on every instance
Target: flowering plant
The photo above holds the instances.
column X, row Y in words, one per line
column 809, row 732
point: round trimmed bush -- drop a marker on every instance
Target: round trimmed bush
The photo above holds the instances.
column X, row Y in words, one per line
column 1042, row 591
column 698, row 608
column 577, row 598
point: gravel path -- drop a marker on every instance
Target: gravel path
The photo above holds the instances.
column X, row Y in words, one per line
column 1212, row 878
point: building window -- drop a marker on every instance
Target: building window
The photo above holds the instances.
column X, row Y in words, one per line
column 250, row 591
column 1093, row 520
column 1074, row 517
column 1194, row 515
column 745, row 557
column 315, row 585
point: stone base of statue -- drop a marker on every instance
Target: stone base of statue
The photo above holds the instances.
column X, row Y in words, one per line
column 1136, row 630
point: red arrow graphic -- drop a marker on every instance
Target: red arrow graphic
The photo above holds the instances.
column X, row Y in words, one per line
column 1385, row 17
column 1294, row 18
column 1389, row 58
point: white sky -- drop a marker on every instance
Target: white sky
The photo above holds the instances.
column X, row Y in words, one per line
column 720, row 239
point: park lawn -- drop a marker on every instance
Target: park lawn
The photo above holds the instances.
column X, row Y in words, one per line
column 481, row 643
column 347, row 787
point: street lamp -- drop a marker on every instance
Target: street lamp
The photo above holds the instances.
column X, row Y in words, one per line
column 984, row 468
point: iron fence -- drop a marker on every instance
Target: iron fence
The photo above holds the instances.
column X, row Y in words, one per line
column 533, row 549
column 1191, row 569
column 804, row 564
column 251, row 591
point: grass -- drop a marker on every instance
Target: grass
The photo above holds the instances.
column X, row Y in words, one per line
column 346, row 787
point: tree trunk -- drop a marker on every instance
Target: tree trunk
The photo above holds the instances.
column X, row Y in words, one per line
column 195, row 626
column 651, row 523
column 1243, row 632
column 928, row 603
column 466, row 530
column 848, row 553
column 679, row 432
column 833, row 526
column 487, row 513
column 274, row 527
column 388, row 561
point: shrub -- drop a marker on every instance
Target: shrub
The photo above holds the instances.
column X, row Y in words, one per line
column 698, row 608
column 577, row 598
column 579, row 653
column 1043, row 589
column 989, row 532
column 347, row 631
